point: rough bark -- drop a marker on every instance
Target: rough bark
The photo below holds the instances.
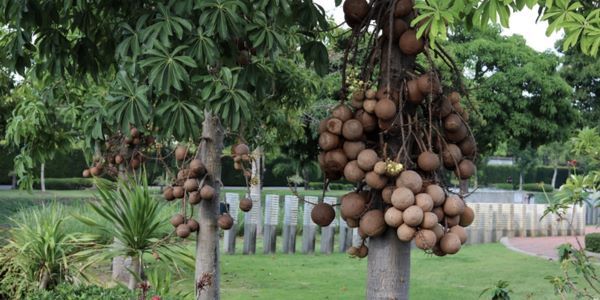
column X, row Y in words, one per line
column 207, row 277
column 521, row 180
column 136, row 268
column 43, row 177
column 389, row 259
column 256, row 186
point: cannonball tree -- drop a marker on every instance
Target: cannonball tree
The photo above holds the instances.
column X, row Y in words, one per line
column 179, row 64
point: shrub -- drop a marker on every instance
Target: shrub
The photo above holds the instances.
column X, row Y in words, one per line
column 65, row 183
column 82, row 292
column 504, row 186
column 536, row 187
column 592, row 242
column 337, row 186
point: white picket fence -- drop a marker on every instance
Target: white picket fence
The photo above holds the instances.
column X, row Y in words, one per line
column 492, row 222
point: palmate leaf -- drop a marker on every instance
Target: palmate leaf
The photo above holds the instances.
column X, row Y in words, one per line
column 221, row 17
column 128, row 103
column 180, row 118
column 264, row 36
column 225, row 98
column 166, row 25
column 203, row 48
column 315, row 53
column 131, row 43
column 167, row 69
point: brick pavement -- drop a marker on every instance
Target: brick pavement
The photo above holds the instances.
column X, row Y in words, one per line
column 545, row 247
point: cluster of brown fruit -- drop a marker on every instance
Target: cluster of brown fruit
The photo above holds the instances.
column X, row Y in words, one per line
column 121, row 150
column 241, row 156
column 394, row 143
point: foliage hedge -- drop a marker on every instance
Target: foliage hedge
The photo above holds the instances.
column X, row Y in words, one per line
column 488, row 175
column 592, row 242
column 82, row 292
column 531, row 187
column 337, row 186
column 65, row 183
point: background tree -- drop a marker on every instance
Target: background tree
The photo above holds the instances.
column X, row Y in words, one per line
column 554, row 154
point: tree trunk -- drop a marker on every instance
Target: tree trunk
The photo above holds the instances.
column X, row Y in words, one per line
column 306, row 177
column 207, row 277
column 389, row 267
column 136, row 268
column 43, row 177
column 256, row 186
column 554, row 176
column 521, row 180
column 464, row 186
column 389, row 259
column 44, row 281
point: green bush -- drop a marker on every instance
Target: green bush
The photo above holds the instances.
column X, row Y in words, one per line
column 336, row 186
column 504, row 186
column 592, row 242
column 536, row 187
column 65, row 183
column 82, row 292
column 488, row 175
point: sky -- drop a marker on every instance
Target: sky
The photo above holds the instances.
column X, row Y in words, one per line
column 522, row 23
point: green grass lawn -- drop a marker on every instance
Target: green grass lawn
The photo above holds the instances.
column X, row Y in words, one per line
column 462, row 276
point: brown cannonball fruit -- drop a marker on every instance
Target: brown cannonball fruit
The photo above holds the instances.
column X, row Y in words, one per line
column 195, row 198
column 424, row 201
column 371, row 93
column 385, row 124
column 356, row 104
column 183, row 174
column 178, row 192
column 409, row 44
column 385, row 109
column 190, row 185
column 399, row 27
column 458, row 135
column 95, row 171
column 225, row 221
column 393, row 217
column 352, row 251
column 168, row 193
column 352, row 130
column 454, row 206
column 428, row 161
column 372, row 223
column 451, row 156
column 353, row 205
column 351, row 222
column 405, row 233
column 450, row 243
column 358, row 95
column 193, row 225
column 342, row 112
column 353, row 173
column 460, row 232
column 136, row 141
column 245, row 204
column 86, row 173
column 414, row 94
column 429, row 84
column 466, row 169
column 386, row 194
column 439, row 231
column 183, row 231
column 134, row 132
column 335, row 160
column 197, row 167
column 411, row 180
column 368, row 121
column 363, row 251
column 355, row 10
column 439, row 212
column 333, row 175
column 467, row 217
column 442, row 108
column 380, row 168
column 207, row 192
column 436, row 193
column 352, row 149
column 328, row 141
column 181, row 152
column 369, row 105
column 402, row 198
column 334, row 125
column 468, row 146
column 453, row 122
column 119, row 159
column 241, row 149
column 323, row 125
column 454, row 97
column 425, row 239
column 452, row 221
column 403, row 8
column 361, row 233
column 375, row 181
column 134, row 163
column 367, row 159
column 430, row 220
column 413, row 216
column 177, row 220
column 322, row 214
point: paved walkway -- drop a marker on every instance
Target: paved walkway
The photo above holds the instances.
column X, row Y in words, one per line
column 544, row 247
